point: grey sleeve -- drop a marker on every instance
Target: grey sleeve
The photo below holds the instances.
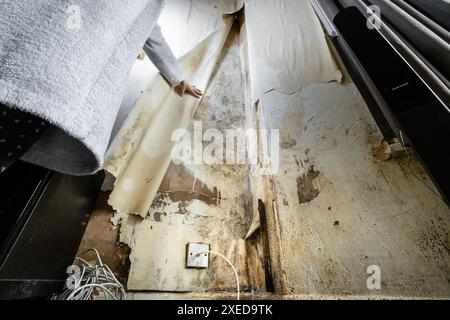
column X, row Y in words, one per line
column 162, row 57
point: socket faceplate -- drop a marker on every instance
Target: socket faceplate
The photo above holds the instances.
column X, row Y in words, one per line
column 197, row 255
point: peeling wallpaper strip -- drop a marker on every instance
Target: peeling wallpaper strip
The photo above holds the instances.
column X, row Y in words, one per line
column 141, row 153
column 287, row 47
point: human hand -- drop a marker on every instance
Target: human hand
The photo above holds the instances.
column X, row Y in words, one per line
column 186, row 88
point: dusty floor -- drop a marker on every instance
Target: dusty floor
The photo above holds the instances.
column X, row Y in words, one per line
column 103, row 236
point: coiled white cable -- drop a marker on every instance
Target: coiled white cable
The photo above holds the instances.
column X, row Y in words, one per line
column 91, row 280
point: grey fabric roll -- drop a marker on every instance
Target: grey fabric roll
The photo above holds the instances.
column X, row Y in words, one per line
column 72, row 77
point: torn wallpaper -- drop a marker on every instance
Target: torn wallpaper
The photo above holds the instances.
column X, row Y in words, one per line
column 287, row 51
column 184, row 24
column 141, row 153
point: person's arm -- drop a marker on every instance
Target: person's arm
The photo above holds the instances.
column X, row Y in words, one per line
column 162, row 57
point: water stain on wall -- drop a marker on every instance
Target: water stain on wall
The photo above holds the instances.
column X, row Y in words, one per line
column 181, row 185
column 305, row 186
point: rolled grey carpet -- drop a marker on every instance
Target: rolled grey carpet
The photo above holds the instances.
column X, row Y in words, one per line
column 68, row 65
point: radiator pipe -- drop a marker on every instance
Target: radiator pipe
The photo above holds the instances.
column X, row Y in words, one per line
column 431, row 77
column 435, row 49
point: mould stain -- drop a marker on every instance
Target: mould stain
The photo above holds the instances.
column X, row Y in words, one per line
column 157, row 216
column 305, row 186
column 181, row 186
column 288, row 143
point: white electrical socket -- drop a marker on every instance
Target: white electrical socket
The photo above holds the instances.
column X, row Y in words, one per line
column 197, row 255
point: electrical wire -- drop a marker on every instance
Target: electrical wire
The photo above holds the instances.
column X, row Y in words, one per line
column 92, row 279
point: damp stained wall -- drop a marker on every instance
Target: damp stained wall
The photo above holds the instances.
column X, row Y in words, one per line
column 202, row 203
column 339, row 210
column 332, row 210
